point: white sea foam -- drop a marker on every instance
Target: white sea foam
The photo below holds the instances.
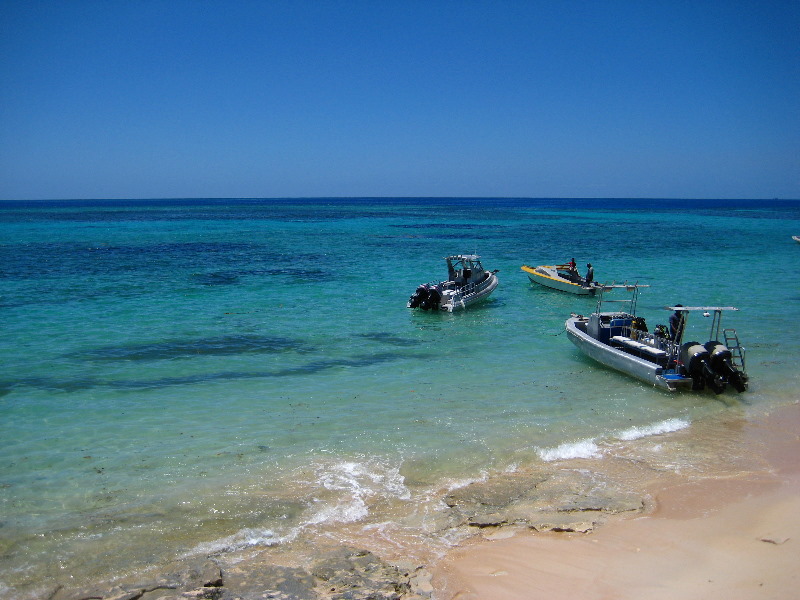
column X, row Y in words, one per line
column 347, row 510
column 355, row 481
column 358, row 481
column 243, row 539
column 461, row 483
column 668, row 426
column 580, row 449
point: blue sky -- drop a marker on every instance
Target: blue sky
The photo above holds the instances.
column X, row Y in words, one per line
column 198, row 98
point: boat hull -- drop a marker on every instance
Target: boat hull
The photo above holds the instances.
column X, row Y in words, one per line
column 452, row 302
column 548, row 277
column 616, row 359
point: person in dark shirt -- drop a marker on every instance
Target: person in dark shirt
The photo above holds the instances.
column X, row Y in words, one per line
column 676, row 325
column 589, row 275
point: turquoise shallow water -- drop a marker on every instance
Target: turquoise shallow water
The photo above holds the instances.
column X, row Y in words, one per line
column 195, row 376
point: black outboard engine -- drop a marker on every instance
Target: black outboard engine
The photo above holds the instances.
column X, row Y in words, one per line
column 418, row 296
column 432, row 301
column 720, row 359
column 695, row 358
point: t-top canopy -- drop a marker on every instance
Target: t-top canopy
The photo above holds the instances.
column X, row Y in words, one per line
column 463, row 257
column 703, row 308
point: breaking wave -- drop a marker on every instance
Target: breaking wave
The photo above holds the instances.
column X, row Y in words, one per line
column 668, row 426
column 243, row 539
column 340, row 491
column 580, row 449
column 357, row 482
column 588, row 448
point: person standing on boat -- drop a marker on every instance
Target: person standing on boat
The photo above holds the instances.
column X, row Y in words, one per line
column 676, row 325
column 589, row 275
column 572, row 271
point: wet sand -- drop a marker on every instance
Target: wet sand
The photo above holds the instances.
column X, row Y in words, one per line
column 732, row 538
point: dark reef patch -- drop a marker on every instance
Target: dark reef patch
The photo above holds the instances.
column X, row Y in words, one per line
column 213, row 346
column 387, row 338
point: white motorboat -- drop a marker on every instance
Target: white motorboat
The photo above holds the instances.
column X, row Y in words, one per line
column 796, row 238
column 560, row 277
column 467, row 283
column 620, row 340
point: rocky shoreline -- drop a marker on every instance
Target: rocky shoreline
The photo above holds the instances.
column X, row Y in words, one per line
column 562, row 500
column 342, row 574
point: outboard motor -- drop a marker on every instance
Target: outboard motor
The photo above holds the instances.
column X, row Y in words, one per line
column 720, row 359
column 418, row 296
column 695, row 358
column 432, row 301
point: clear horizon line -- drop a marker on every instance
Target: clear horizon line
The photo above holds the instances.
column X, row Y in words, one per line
column 478, row 197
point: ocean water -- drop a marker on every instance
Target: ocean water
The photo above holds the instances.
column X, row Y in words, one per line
column 186, row 377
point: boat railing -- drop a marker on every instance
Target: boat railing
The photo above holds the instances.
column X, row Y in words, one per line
column 470, row 288
column 465, row 290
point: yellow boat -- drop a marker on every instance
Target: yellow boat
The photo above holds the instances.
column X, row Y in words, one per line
column 560, row 277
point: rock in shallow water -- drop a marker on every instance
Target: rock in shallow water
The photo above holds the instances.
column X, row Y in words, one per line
column 554, row 502
column 343, row 574
column 567, row 500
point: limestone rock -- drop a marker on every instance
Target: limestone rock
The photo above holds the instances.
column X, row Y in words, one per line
column 497, row 491
column 562, row 522
column 196, row 578
column 556, row 502
column 342, row 574
column 420, row 583
column 352, row 574
column 489, row 520
column 254, row 581
column 611, row 502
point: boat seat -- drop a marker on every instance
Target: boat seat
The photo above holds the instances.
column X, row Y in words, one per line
column 638, row 346
column 625, row 343
column 653, row 351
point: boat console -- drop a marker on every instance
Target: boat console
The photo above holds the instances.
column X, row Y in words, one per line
column 604, row 326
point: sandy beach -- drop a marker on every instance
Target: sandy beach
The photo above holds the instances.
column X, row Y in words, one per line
column 732, row 538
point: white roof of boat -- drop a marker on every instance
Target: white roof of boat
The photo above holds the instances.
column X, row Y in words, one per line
column 704, row 308
column 463, row 257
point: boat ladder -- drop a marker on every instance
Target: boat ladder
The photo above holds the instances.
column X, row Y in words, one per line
column 737, row 350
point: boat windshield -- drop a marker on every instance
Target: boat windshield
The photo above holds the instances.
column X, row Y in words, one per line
column 464, row 261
